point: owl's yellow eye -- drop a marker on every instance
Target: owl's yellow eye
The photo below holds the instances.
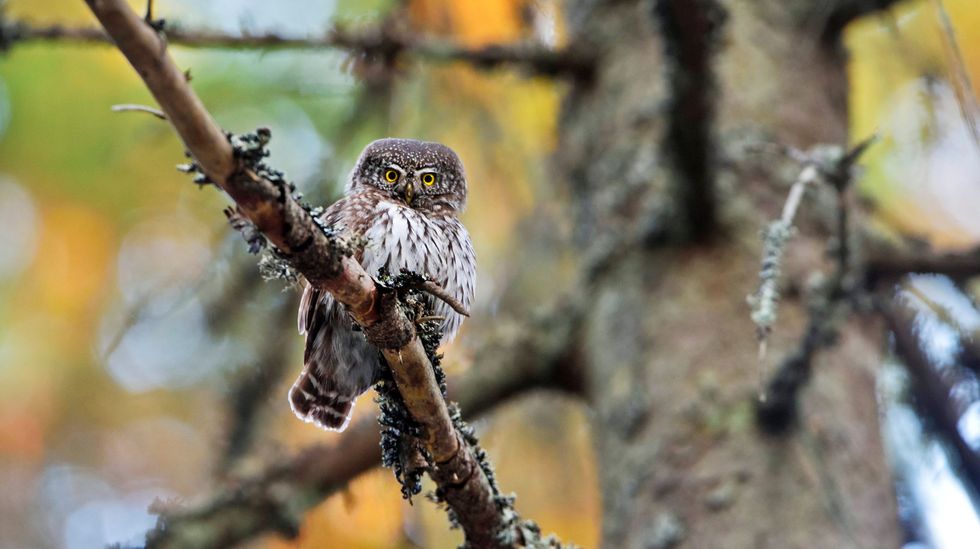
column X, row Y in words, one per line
column 429, row 179
column 391, row 175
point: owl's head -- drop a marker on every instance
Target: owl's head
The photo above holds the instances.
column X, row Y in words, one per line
column 420, row 174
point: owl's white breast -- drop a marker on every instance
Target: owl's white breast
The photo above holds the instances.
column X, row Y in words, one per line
column 403, row 238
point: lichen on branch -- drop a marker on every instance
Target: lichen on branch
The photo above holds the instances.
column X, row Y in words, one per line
column 828, row 304
column 403, row 446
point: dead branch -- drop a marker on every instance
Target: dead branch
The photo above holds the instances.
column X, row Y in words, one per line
column 830, row 303
column 327, row 264
column 382, row 42
column 139, row 108
column 765, row 301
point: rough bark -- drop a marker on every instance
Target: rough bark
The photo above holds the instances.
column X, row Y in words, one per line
column 670, row 355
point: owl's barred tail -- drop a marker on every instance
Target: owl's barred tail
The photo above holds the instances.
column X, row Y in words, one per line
column 314, row 403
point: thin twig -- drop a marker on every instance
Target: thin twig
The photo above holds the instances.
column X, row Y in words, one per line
column 765, row 302
column 826, row 309
column 373, row 42
column 836, row 170
column 829, row 304
column 139, row 108
column 807, row 176
column 438, row 291
column 429, row 318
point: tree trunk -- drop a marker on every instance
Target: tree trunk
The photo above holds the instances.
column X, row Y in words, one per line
column 670, row 354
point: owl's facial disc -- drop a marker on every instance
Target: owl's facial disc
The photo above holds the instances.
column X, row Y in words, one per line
column 416, row 174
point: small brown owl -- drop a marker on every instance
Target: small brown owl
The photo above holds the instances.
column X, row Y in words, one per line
column 402, row 201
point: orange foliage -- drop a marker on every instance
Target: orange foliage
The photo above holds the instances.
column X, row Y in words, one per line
column 367, row 515
column 22, row 429
column 69, row 275
column 471, row 22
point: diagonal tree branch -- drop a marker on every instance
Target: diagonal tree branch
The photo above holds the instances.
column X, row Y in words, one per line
column 327, row 263
column 381, row 42
column 514, row 359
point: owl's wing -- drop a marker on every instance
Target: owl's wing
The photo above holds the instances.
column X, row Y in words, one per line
column 458, row 276
column 313, row 302
column 339, row 364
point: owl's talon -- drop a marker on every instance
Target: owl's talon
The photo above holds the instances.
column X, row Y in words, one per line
column 429, row 318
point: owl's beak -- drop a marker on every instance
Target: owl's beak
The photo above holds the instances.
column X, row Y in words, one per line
column 409, row 192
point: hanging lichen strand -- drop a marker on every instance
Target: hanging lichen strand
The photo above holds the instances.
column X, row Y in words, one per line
column 402, row 446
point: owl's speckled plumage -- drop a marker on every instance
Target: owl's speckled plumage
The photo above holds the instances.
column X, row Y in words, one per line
column 410, row 223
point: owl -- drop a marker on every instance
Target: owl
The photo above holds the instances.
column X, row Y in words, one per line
column 401, row 207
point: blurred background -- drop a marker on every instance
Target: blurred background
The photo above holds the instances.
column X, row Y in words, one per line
column 130, row 368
